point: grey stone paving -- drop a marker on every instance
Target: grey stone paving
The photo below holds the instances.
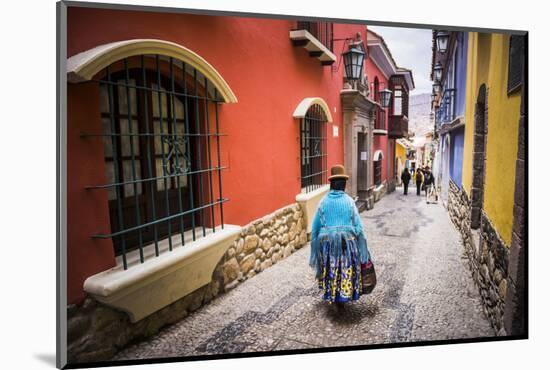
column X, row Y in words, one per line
column 424, row 292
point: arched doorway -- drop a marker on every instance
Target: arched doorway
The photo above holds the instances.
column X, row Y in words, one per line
column 377, row 167
column 479, row 155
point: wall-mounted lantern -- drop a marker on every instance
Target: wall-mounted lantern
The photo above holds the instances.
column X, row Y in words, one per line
column 442, row 41
column 385, row 96
column 353, row 62
column 438, row 71
column 436, row 88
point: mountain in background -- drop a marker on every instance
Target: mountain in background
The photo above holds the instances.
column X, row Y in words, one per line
column 419, row 114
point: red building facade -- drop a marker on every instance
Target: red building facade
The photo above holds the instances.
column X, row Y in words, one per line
column 381, row 156
column 269, row 77
column 391, row 122
column 199, row 146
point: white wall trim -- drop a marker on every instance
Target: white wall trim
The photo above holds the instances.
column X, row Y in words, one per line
column 309, row 202
column 147, row 287
column 85, row 65
column 303, row 107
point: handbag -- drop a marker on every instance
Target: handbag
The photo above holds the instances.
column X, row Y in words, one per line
column 368, row 277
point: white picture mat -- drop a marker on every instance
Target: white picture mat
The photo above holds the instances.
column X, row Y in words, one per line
column 28, row 263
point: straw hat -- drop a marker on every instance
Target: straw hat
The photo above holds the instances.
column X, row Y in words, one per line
column 338, row 172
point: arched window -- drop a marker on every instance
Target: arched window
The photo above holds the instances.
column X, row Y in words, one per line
column 313, row 148
column 162, row 153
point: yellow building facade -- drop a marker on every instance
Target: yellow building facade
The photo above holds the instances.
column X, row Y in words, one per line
column 488, row 67
column 400, row 156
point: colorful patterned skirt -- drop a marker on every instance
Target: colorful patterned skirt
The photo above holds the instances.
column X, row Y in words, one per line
column 340, row 268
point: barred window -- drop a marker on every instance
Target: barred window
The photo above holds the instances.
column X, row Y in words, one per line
column 377, row 172
column 516, row 62
column 162, row 154
column 313, row 149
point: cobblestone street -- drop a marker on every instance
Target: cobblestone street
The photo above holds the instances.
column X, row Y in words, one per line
column 424, row 292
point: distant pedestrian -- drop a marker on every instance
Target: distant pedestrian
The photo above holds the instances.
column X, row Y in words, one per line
column 419, row 179
column 405, row 177
column 429, row 182
column 428, row 179
column 338, row 245
column 423, row 169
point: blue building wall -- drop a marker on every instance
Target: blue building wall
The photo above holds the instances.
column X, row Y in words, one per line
column 457, row 152
column 461, row 58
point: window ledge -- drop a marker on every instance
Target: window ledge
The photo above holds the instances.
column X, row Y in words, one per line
column 148, row 287
column 309, row 202
column 313, row 46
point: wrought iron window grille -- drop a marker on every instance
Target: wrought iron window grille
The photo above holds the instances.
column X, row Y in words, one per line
column 159, row 117
column 377, row 172
column 313, row 149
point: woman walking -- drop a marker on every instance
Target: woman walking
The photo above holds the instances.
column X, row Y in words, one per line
column 405, row 178
column 428, row 183
column 338, row 244
column 419, row 179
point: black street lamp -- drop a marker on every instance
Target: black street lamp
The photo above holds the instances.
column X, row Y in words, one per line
column 438, row 71
column 385, row 96
column 353, row 62
column 442, row 40
column 437, row 87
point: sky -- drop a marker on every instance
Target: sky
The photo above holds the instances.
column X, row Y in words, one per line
column 411, row 48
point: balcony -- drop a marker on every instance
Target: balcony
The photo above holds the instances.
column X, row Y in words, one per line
column 316, row 38
column 398, row 127
column 446, row 111
column 380, row 123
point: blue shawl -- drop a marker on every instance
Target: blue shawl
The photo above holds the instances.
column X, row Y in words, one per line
column 336, row 218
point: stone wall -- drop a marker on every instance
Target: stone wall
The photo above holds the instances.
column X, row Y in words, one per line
column 487, row 256
column 263, row 243
column 97, row 332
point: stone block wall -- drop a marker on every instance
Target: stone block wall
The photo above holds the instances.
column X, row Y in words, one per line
column 263, row 243
column 487, row 256
column 97, row 332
